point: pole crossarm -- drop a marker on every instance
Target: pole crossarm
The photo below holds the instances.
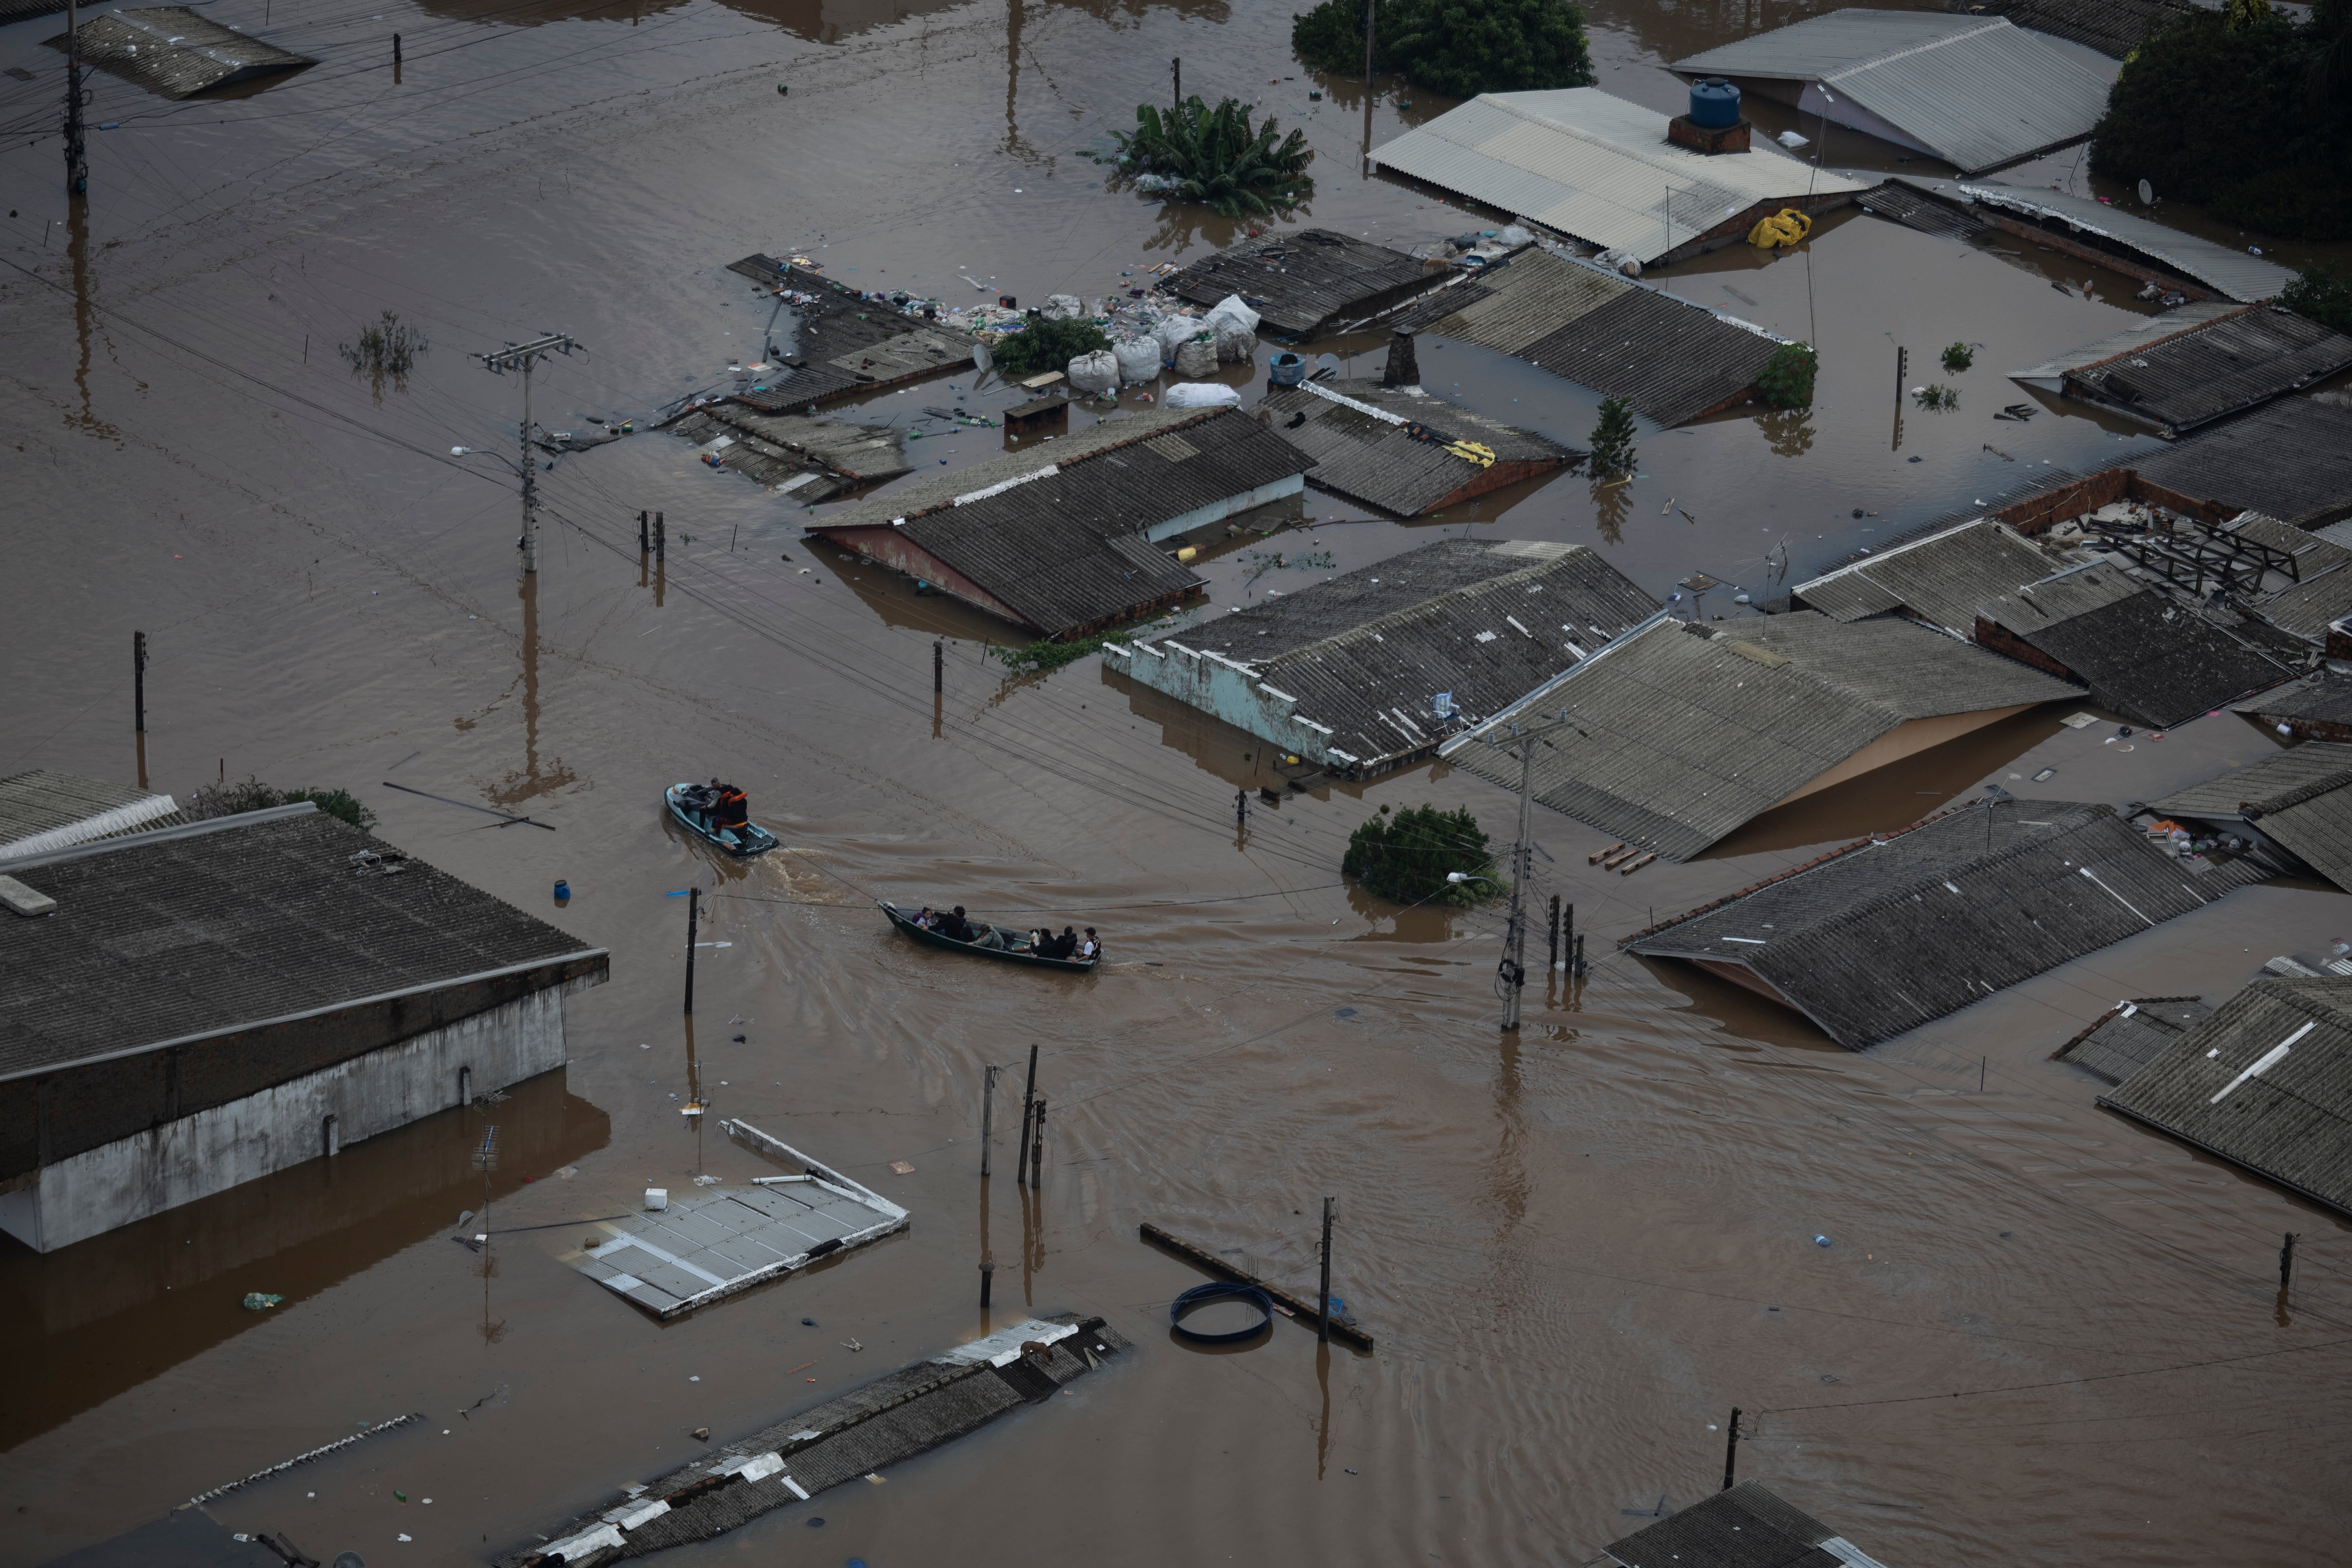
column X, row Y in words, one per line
column 519, row 356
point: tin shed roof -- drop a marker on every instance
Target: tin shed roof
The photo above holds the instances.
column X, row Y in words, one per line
column 1974, row 90
column 2327, row 698
column 173, row 52
column 1305, row 282
column 2265, row 1083
column 1401, row 449
column 1691, row 728
column 1588, row 163
column 1891, row 932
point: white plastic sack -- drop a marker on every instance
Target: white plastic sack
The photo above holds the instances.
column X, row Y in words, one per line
column 1063, row 308
column 1791, row 140
column 1138, row 358
column 1096, row 372
column 1199, row 394
column 1232, row 308
column 1514, row 234
column 1196, row 360
column 1174, row 331
column 1235, row 344
column 1624, row 261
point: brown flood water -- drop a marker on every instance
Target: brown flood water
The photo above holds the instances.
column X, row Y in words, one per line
column 1579, row 1248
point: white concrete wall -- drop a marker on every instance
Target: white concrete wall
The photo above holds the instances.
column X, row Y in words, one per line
column 94, row 1192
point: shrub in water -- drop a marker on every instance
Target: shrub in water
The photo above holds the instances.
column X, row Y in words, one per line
column 1787, row 379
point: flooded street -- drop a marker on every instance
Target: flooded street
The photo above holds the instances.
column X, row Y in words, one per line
column 2037, row 1332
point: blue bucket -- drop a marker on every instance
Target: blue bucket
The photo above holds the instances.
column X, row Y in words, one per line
column 1289, row 370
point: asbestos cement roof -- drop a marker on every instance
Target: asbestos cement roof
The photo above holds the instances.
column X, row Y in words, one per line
column 1898, row 200
column 1692, row 729
column 2232, row 362
column 1672, row 360
column 173, row 52
column 2114, row 27
column 1943, row 579
column 2296, row 798
column 1581, row 162
column 1975, row 91
column 1748, row 1526
column 2156, row 661
column 2321, row 591
column 1305, row 282
column 1401, row 448
column 1364, row 653
column 41, row 811
column 201, row 929
column 1894, row 932
column 2265, row 1083
column 2130, row 1034
column 2230, row 272
column 844, row 344
column 2050, row 375
column 807, row 459
column 2290, row 459
column 2325, row 699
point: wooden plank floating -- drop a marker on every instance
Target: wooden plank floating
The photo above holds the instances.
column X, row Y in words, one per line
column 1305, row 1311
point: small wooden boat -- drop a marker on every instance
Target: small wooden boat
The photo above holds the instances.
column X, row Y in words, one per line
column 905, row 921
column 686, row 808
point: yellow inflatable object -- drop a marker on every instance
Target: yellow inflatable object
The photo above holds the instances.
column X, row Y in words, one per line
column 1188, row 555
column 1476, row 452
column 1782, row 231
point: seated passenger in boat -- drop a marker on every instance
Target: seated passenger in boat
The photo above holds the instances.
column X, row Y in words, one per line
column 994, row 938
column 733, row 810
column 954, row 925
column 1064, row 945
column 1090, row 948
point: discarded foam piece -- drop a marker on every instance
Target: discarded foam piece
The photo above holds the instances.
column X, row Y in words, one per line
column 851, row 1437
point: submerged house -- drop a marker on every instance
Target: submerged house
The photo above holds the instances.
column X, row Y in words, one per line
column 175, row 52
column 845, row 344
column 1404, row 449
column 2295, row 805
column 2132, row 1034
column 191, row 1007
column 1589, row 164
column 2182, row 376
column 1692, row 729
column 1065, row 537
column 1367, row 672
column 1745, row 1526
column 1307, row 283
column 1902, row 928
column 799, row 457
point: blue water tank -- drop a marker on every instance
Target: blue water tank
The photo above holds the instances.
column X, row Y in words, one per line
column 1715, row 103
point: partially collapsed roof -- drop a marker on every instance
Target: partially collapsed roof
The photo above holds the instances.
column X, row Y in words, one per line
column 1672, row 360
column 1587, row 164
column 1361, row 658
column 1893, row 931
column 42, row 810
column 1972, row 90
column 2265, row 1083
column 1305, row 282
column 173, row 52
column 2193, row 377
column 2296, row 799
column 2130, row 1034
column 1692, row 729
column 1403, row 449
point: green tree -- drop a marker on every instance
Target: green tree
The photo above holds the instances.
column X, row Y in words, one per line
column 1405, row 857
column 1787, row 378
column 1459, row 47
column 1043, row 346
column 1216, row 157
column 1612, row 438
column 2322, row 293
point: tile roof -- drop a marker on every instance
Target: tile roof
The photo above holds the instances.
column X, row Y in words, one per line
column 1364, row 653
column 173, row 52
column 1943, row 578
column 2130, row 1034
column 1305, row 282
column 1585, row 162
column 807, row 459
column 1891, row 932
column 1672, row 360
column 2290, row 459
column 2219, row 368
column 204, row 927
column 2265, row 1083
column 1402, row 463
column 2296, row 798
column 41, row 811
column 1691, row 730
column 1974, row 92
column 1748, row 1526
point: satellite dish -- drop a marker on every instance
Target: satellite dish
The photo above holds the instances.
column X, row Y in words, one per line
column 2147, row 194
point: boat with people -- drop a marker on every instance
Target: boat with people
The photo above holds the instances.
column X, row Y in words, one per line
column 1040, row 948
column 718, row 814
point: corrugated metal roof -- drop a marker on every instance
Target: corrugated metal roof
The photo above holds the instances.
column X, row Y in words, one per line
column 2050, row 375
column 2291, row 459
column 172, row 51
column 1304, row 283
column 2194, row 377
column 2265, row 1083
column 41, row 811
column 2232, row 273
column 1407, row 469
column 1746, row 1527
column 1695, row 728
column 1975, row 91
column 1943, row 578
column 2130, row 1034
column 1891, row 933
column 2296, row 798
column 1899, row 202
column 1584, row 163
column 1364, row 653
column 1672, row 360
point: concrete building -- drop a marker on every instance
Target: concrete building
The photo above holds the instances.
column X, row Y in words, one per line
column 191, row 1008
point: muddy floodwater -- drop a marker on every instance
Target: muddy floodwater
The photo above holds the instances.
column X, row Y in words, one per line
column 2037, row 1335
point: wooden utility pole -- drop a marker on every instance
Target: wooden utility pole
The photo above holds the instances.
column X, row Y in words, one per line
column 693, row 930
column 939, row 666
column 1513, row 969
column 1731, row 1449
column 1323, row 1310
column 1037, row 1149
column 524, row 357
column 987, row 1133
column 1028, row 1110
column 1555, row 931
column 139, row 681
column 77, row 147
column 2286, row 1261
column 1177, row 65
column 1367, row 50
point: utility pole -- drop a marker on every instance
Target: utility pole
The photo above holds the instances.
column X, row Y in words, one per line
column 77, row 148
column 139, row 681
column 987, row 1130
column 939, row 666
column 1323, row 1310
column 1731, row 1449
column 1177, row 65
column 693, row 930
column 1028, row 1110
column 524, row 357
column 2286, row 1260
column 1367, row 50
column 1513, row 968
column 1037, row 1150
